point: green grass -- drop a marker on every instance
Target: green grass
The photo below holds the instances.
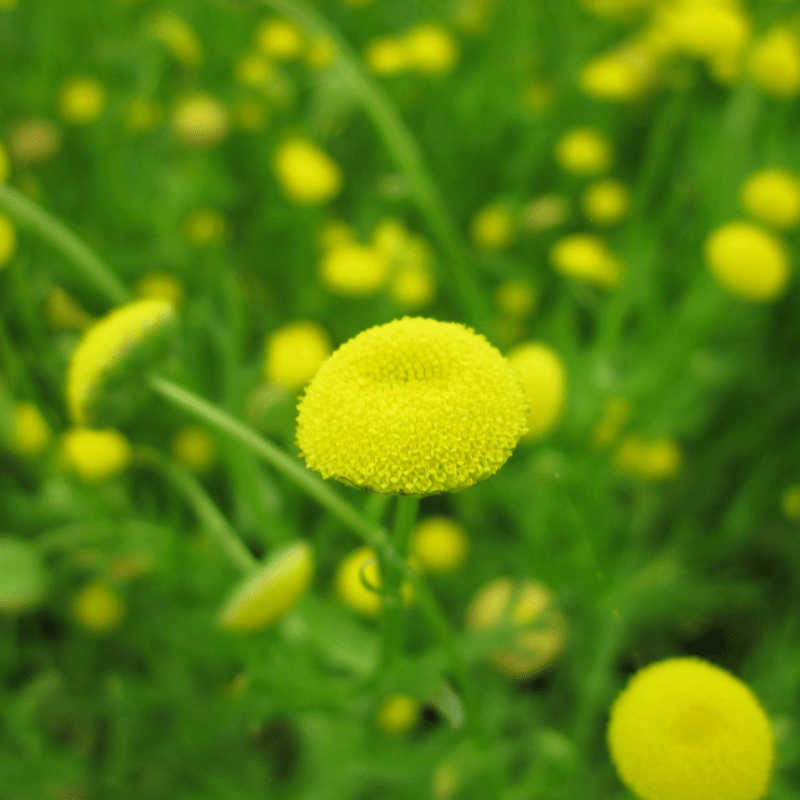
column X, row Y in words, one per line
column 167, row 705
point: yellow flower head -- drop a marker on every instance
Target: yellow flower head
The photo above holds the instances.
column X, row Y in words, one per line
column 353, row 571
column 204, row 227
column 354, row 270
column 606, row 202
column 30, row 433
column 587, row 257
column 280, row 39
column 96, row 456
column 110, row 355
column 271, row 591
column 81, row 100
column 200, row 120
column 706, row 30
column 178, row 37
column 98, row 608
column 33, row 141
column 195, row 448
column 386, row 55
column 161, row 286
column 294, row 353
column 584, row 151
column 430, row 49
column 438, row 544
column 515, row 298
column 544, row 378
column 492, row 228
column 747, row 261
column 772, row 196
column 775, row 63
column 684, row 729
column 616, row 77
column 306, row 174
column 398, row 714
column 23, row 581
column 528, row 606
column 8, row 240
column 658, row 459
column 416, row 406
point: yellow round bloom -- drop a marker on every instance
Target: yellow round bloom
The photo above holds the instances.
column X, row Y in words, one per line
column 204, row 227
column 438, row 544
column 178, row 37
column 386, row 55
column 492, row 228
column 294, row 353
column 790, row 502
column 33, row 141
column 747, row 261
column 98, row 608
column 110, row 355
column 542, row 629
column 685, row 729
column 775, row 63
column 587, row 258
column 707, row 30
column 350, row 588
column 515, row 298
column 81, row 100
column 306, row 174
column 615, row 77
column 23, row 580
column 544, row 378
column 398, row 714
column 30, row 433
column 606, row 202
column 354, row 270
column 544, row 212
column 271, row 591
column 8, row 240
column 195, row 448
column 280, row 39
column 161, row 286
column 416, row 406
column 772, row 196
column 584, row 151
column 658, row 459
column 200, row 120
column 96, row 456
column 431, row 49
column 4, row 165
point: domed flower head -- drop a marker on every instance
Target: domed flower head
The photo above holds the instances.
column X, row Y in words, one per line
column 415, row 406
column 684, row 729
column 102, row 377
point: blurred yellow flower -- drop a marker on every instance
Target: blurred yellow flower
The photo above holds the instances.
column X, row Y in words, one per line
column 205, row 226
column 587, row 257
column 492, row 227
column 584, row 151
column 30, row 433
column 772, row 196
column 252, row 69
column 195, row 448
column 271, row 591
column 96, row 456
column 684, row 728
column 398, row 714
column 411, row 281
column 544, row 378
column 250, row 113
column 545, row 212
column 431, row 49
column 8, row 240
column 386, row 55
column 306, row 174
column 81, row 100
column 747, row 261
column 294, row 353
column 178, row 37
column 280, row 39
column 790, row 502
column 515, row 298
column 97, row 607
column 438, row 544
column 161, row 286
column 775, row 63
column 656, row 459
column 619, row 77
column 415, row 406
column 354, row 270
column 200, row 120
column 606, row 202
column 33, row 141
column 540, row 629
column 350, row 588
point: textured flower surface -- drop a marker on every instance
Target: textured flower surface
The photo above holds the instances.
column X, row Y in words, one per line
column 415, row 406
column 684, row 729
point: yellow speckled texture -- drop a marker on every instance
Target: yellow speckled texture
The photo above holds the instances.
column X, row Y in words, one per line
column 415, row 406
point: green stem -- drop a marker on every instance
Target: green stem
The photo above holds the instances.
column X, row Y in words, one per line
column 392, row 583
column 403, row 147
column 52, row 230
column 203, row 506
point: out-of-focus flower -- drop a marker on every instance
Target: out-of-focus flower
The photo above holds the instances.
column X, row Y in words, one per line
column 161, row 286
column 294, row 353
column 81, row 100
column 606, row 202
column 618, row 77
column 386, row 55
column 545, row 212
column 651, row 459
column 354, row 270
column 200, row 120
column 615, row 414
column 96, row 456
column 584, row 151
column 515, row 298
column 280, row 39
column 306, row 174
column 178, row 36
column 98, row 608
column 30, row 433
column 438, row 544
column 195, row 448
column 33, row 141
column 587, row 258
column 205, row 226
column 775, row 63
column 354, row 570
column 492, row 227
column 790, row 502
column 398, row 714
column 431, row 49
column 772, row 196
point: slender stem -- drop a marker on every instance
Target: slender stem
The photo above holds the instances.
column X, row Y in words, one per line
column 52, row 230
column 207, row 512
column 403, row 147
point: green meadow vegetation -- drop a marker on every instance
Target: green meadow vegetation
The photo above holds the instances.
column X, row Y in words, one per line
column 399, row 400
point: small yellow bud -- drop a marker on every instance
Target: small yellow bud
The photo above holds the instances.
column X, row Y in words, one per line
column 790, row 503
column 775, row 63
column 584, row 151
column 294, row 354
column 30, row 433
column 398, row 714
column 545, row 212
column 606, row 202
column 178, row 37
column 431, row 49
column 81, row 100
column 280, row 39
column 747, row 261
column 439, row 544
column 587, row 258
column 354, row 270
column 195, row 448
column 656, row 459
column 515, row 298
column 33, row 141
column 252, row 69
column 200, row 120
column 306, row 174
column 96, row 456
column 350, row 588
column 616, row 77
column 98, row 608
column 386, row 55
column 205, row 227
column 492, row 228
column 772, row 196
column 161, row 286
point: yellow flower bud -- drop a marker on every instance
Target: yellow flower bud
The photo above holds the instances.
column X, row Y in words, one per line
column 775, row 63
column 541, row 628
column 386, row 55
column 616, row 77
column 200, row 120
column 657, row 459
column 354, row 270
column 81, row 100
column 195, row 448
column 252, row 69
column 545, row 212
column 398, row 714
column 492, row 228
column 96, row 456
column 431, row 49
column 294, row 354
column 587, row 258
column 790, row 503
column 205, row 227
column 178, row 37
column 439, row 544
column 772, row 196
column 109, row 357
column 350, row 587
column 30, row 433
column 606, row 202
column 515, row 298
column 544, row 378
column 415, row 406
column 747, row 261
column 271, row 591
column 8, row 240
column 684, row 728
column 23, row 581
column 707, row 30
column 98, row 608
column 161, row 286
column 306, row 174
column 584, row 151
column 412, row 286
column 280, row 39
column 33, row 141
